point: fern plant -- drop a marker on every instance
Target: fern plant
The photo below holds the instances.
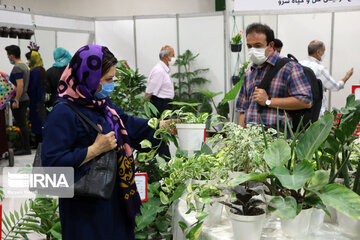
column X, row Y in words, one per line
column 39, row 215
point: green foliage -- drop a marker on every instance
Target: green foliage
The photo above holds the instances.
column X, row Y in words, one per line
column 39, row 215
column 129, row 91
column 236, row 39
column 188, row 78
column 242, row 149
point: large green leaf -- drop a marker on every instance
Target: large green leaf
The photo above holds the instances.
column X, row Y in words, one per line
column 277, row 154
column 195, row 232
column 303, row 171
column 208, row 93
column 256, row 177
column 284, row 208
column 319, row 180
column 178, row 192
column 342, row 199
column 314, row 136
column 149, row 211
column 232, row 94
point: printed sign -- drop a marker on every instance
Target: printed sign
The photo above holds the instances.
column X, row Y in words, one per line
column 141, row 180
column 356, row 91
column 256, row 5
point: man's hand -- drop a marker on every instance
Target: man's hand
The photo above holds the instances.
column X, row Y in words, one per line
column 15, row 105
column 260, row 96
column 348, row 75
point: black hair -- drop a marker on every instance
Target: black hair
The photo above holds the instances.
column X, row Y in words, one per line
column 261, row 28
column 108, row 60
column 28, row 55
column 278, row 43
column 13, row 50
column 314, row 46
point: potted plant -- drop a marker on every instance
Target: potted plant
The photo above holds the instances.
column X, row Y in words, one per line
column 4, row 31
column 295, row 183
column 247, row 217
column 22, row 33
column 236, row 42
column 14, row 32
column 28, row 34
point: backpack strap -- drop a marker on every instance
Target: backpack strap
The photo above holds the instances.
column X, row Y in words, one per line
column 265, row 82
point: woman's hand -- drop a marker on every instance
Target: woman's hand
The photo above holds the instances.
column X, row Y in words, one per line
column 103, row 143
column 169, row 125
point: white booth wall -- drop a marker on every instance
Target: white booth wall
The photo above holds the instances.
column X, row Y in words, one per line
column 50, row 33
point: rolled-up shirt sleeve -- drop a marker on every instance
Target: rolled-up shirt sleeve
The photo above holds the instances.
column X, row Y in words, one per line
column 154, row 83
column 299, row 86
column 59, row 138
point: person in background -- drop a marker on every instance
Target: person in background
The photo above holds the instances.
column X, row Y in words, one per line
column 159, row 85
column 289, row 89
column 278, row 45
column 62, row 58
column 36, row 92
column 316, row 51
column 20, row 78
column 87, row 83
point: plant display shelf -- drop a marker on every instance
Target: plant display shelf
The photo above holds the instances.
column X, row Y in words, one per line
column 271, row 230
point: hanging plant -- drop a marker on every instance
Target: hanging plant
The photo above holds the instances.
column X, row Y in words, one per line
column 4, row 32
column 236, row 42
column 14, row 32
column 22, row 33
column 28, row 34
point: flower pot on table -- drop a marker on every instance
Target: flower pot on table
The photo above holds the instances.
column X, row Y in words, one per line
column 247, row 227
column 191, row 136
column 299, row 226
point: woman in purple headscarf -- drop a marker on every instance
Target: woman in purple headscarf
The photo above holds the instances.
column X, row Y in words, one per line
column 87, row 82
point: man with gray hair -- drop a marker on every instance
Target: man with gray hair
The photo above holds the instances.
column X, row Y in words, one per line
column 159, row 84
column 316, row 51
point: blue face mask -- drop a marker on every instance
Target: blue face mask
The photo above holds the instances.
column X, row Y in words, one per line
column 11, row 62
column 105, row 91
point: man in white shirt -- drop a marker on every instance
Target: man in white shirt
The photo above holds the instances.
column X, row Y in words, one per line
column 316, row 51
column 159, row 83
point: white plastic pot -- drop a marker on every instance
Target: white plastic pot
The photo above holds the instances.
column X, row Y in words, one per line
column 317, row 219
column 348, row 226
column 191, row 136
column 247, row 227
column 299, row 226
column 215, row 211
column 333, row 217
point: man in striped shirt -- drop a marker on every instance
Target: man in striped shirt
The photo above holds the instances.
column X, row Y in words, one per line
column 289, row 89
column 316, row 50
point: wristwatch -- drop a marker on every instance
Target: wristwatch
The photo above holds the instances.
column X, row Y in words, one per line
column 268, row 102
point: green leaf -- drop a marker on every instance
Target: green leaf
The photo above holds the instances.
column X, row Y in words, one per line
column 163, row 198
column 319, row 180
column 232, row 94
column 146, row 144
column 183, row 226
column 285, row 209
column 12, row 218
column 314, row 136
column 342, row 199
column 178, row 192
column 149, row 213
column 185, row 104
column 201, row 215
column 256, row 177
column 153, row 123
column 207, row 92
column 162, row 224
column 277, row 154
column 195, row 231
column 303, row 171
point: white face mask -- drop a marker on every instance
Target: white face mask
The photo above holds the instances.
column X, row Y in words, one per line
column 257, row 55
column 172, row 61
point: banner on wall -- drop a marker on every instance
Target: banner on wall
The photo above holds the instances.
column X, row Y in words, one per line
column 256, row 5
